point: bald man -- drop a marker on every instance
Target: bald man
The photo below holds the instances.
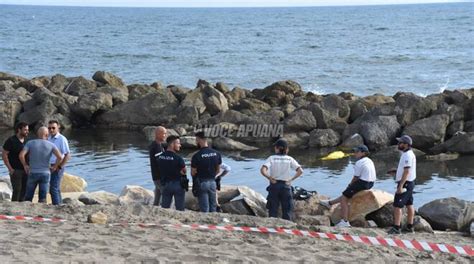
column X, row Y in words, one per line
column 38, row 167
column 157, row 147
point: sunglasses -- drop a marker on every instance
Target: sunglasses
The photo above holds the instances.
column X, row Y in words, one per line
column 52, row 128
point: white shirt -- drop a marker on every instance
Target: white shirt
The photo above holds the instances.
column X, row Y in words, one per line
column 364, row 169
column 280, row 166
column 407, row 160
column 225, row 167
column 61, row 143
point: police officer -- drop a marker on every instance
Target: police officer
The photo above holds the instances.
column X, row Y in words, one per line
column 171, row 168
column 157, row 147
column 205, row 165
column 278, row 170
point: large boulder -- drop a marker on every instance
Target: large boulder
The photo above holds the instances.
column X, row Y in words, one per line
column 279, row 93
column 462, row 144
column 336, row 105
column 89, row 104
column 214, row 100
column 99, row 197
column 363, row 203
column 108, row 78
column 119, row 93
column 195, row 99
column 155, row 108
column 428, row 132
column 297, row 139
column 383, row 217
column 224, row 143
column 300, row 120
column 377, row 131
column 180, row 92
column 322, row 138
column 39, row 113
column 374, row 100
column 352, row 141
column 448, row 213
column 252, row 106
column 411, row 107
column 136, row 91
column 35, row 83
column 71, row 183
column 58, row 83
column 324, row 118
column 310, row 206
column 234, row 96
column 132, row 194
column 9, row 110
column 246, row 202
column 79, row 86
column 11, row 77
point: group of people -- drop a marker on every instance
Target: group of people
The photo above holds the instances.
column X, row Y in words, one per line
column 38, row 162
column 168, row 171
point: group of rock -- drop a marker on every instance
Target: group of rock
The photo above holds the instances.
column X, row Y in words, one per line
column 373, row 208
column 438, row 123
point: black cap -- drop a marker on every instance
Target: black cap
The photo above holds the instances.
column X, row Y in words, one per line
column 405, row 139
column 361, row 148
column 281, row 143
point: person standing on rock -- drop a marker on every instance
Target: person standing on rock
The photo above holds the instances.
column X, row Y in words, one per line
column 278, row 170
column 364, row 178
column 157, row 147
column 205, row 165
column 171, row 170
column 62, row 145
column 10, row 155
column 405, row 179
column 38, row 167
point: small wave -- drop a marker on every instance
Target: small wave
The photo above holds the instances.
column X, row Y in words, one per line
column 314, row 46
column 87, row 36
column 314, row 88
column 381, row 28
column 444, row 87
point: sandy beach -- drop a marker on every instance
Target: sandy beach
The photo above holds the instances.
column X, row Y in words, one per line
column 77, row 241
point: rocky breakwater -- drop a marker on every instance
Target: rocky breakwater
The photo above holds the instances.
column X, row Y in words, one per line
column 442, row 122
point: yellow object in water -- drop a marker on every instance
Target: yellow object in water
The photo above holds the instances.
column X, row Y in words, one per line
column 335, row 155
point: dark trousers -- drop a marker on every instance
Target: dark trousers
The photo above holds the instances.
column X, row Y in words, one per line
column 158, row 188
column 18, row 179
column 280, row 194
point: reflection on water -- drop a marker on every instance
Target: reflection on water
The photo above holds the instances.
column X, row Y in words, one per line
column 109, row 160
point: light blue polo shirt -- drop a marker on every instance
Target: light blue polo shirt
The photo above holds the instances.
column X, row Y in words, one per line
column 61, row 144
column 39, row 153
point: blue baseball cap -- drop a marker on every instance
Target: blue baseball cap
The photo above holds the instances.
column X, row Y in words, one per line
column 361, row 148
column 281, row 143
column 405, row 139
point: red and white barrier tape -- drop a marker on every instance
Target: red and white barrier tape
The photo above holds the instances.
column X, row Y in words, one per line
column 375, row 241
column 28, row 218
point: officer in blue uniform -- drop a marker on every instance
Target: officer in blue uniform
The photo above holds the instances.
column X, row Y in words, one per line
column 171, row 170
column 205, row 165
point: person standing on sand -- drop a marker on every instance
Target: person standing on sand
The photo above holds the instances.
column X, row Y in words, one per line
column 62, row 145
column 205, row 165
column 171, row 169
column 364, row 178
column 10, row 155
column 277, row 169
column 405, row 179
column 157, row 147
column 38, row 168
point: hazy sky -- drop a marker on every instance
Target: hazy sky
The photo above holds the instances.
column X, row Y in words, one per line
column 216, row 3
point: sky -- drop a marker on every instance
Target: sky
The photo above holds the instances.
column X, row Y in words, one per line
column 217, row 3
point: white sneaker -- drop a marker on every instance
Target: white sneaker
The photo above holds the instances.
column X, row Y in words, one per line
column 325, row 203
column 343, row 223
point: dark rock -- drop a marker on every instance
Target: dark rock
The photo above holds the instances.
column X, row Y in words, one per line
column 39, row 114
column 58, row 83
column 279, row 93
column 89, row 104
column 300, row 120
column 454, row 112
column 325, row 119
column 153, row 109
column 136, row 91
column 224, row 143
column 179, row 92
column 288, row 109
column 119, row 93
column 298, row 139
column 358, row 109
column 469, row 126
column 321, row 138
column 428, row 132
column 194, row 98
column 79, row 86
column 214, row 100
column 420, row 225
column 377, row 131
column 348, row 96
column 372, row 101
column 453, row 128
column 221, row 87
column 448, row 213
column 383, row 217
column 234, row 96
column 187, row 115
column 6, row 86
column 410, row 108
column 11, row 77
column 254, row 106
column 456, row 97
column 108, row 78
column 9, row 110
column 35, row 83
column 462, row 144
column 336, row 105
column 352, row 141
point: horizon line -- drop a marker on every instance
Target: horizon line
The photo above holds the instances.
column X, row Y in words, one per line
column 256, row 6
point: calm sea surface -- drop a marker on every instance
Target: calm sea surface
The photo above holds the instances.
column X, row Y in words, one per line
column 365, row 49
column 109, row 160
column 372, row 49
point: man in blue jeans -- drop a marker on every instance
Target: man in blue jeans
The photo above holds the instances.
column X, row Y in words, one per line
column 205, row 165
column 62, row 145
column 171, row 169
column 38, row 168
column 278, row 169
